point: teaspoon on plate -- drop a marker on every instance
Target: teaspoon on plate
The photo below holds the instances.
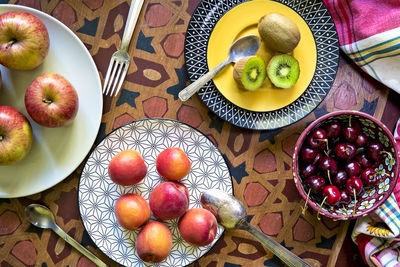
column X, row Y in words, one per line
column 243, row 47
column 40, row 216
column 231, row 214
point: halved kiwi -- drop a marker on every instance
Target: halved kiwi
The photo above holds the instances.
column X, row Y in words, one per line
column 283, row 70
column 250, row 72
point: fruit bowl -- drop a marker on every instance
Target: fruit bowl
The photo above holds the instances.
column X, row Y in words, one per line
column 345, row 164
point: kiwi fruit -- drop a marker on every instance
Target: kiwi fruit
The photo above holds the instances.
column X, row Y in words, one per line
column 250, row 72
column 283, row 70
column 279, row 33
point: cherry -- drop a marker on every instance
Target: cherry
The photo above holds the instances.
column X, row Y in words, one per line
column 344, row 197
column 308, row 170
column 369, row 177
column 345, row 151
column 316, row 183
column 361, row 140
column 317, row 158
column 364, row 161
column 351, row 131
column 308, row 154
column 374, row 150
column 332, row 194
column 340, row 178
column 328, row 164
column 354, row 185
column 333, row 130
column 353, row 168
column 317, row 139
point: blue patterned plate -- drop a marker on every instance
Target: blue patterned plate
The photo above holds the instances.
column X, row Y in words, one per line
column 97, row 193
column 316, row 16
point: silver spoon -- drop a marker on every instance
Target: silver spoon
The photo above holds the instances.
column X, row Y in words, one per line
column 231, row 214
column 243, row 47
column 42, row 217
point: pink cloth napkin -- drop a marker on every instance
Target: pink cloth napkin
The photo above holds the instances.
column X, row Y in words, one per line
column 369, row 34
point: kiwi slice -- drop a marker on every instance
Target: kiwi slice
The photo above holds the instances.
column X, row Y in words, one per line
column 283, row 70
column 250, row 72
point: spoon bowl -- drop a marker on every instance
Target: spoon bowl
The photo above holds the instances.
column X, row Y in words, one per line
column 231, row 214
column 40, row 216
column 243, row 47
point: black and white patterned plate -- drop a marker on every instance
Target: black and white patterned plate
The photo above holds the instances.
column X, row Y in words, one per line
column 320, row 22
column 97, row 193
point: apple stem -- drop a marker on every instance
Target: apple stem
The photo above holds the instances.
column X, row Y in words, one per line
column 319, row 210
column 355, row 200
column 47, row 101
column 305, row 204
column 10, row 43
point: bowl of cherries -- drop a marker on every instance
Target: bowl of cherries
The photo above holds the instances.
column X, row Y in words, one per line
column 345, row 164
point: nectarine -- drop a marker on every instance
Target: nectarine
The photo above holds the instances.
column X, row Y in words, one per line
column 198, row 227
column 132, row 211
column 173, row 164
column 169, row 200
column 154, row 242
column 127, row 168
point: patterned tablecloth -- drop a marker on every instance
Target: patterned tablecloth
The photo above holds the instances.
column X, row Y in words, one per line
column 259, row 161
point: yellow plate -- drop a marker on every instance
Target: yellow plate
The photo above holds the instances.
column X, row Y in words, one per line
column 242, row 20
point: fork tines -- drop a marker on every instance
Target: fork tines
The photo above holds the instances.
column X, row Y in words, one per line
column 115, row 76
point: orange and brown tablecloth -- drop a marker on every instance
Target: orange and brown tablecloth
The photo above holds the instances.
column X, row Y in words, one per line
column 259, row 161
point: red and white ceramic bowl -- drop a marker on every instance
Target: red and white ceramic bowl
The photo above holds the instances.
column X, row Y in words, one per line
column 371, row 197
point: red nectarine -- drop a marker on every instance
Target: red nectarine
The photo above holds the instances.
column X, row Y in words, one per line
column 132, row 211
column 169, row 200
column 154, row 242
column 173, row 164
column 127, row 168
column 198, row 227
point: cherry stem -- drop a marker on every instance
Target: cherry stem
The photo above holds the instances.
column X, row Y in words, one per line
column 344, row 208
column 324, row 140
column 383, row 173
column 349, row 120
column 305, row 204
column 319, row 210
column 329, row 176
column 389, row 155
column 355, row 200
column 47, row 101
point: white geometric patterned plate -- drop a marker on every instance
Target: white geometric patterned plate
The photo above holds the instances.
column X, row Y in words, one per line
column 97, row 193
column 320, row 22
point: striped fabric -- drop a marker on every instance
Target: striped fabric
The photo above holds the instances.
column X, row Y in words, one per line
column 378, row 235
column 369, row 33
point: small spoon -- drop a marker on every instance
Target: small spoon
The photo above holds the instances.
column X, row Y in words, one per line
column 40, row 216
column 231, row 214
column 243, row 47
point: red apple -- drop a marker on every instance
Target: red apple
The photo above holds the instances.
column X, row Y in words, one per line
column 132, row 211
column 169, row 200
column 173, row 164
column 51, row 100
column 24, row 40
column 15, row 135
column 198, row 227
column 154, row 242
column 127, row 168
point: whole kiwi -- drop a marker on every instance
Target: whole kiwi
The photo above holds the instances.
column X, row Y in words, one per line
column 278, row 32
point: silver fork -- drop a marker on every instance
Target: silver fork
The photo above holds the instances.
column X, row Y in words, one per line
column 120, row 60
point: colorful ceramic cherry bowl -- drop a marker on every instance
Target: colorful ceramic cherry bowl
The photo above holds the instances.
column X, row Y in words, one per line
column 345, row 164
